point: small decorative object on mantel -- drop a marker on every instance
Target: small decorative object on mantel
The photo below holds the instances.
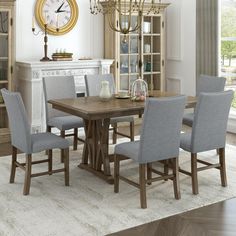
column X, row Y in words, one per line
column 139, row 90
column 105, row 93
column 62, row 56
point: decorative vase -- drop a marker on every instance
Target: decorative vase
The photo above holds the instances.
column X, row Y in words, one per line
column 105, row 93
column 139, row 90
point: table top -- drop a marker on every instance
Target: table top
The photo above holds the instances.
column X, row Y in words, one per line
column 92, row 108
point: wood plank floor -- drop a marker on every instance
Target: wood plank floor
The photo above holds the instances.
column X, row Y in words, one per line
column 218, row 219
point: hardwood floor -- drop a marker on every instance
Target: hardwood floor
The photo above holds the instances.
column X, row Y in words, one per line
column 218, row 219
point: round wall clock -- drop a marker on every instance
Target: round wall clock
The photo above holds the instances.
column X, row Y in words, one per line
column 59, row 15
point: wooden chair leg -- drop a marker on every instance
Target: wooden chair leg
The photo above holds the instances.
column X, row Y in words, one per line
column 132, row 131
column 66, row 165
column 149, row 173
column 13, row 164
column 194, row 173
column 175, row 162
column 166, row 168
column 49, row 129
column 63, row 136
column 75, row 139
column 142, row 183
column 116, row 173
column 28, row 168
column 222, row 167
column 114, row 135
column 50, row 161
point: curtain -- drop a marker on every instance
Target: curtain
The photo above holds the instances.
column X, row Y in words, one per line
column 207, row 37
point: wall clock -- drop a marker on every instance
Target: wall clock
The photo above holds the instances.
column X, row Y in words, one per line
column 57, row 14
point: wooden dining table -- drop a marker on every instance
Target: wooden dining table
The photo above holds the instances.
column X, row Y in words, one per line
column 96, row 115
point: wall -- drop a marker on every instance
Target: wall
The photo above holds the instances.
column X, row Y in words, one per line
column 86, row 38
column 181, row 46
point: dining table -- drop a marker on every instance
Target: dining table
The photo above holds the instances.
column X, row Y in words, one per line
column 96, row 114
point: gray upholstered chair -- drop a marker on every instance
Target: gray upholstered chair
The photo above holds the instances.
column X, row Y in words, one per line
column 206, row 84
column 93, row 86
column 22, row 139
column 208, row 132
column 59, row 87
column 159, row 140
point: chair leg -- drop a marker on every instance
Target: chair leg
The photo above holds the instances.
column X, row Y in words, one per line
column 13, row 164
column 175, row 162
column 116, row 173
column 149, row 173
column 132, row 131
column 63, row 136
column 114, row 135
column 66, row 165
column 49, row 129
column 75, row 139
column 142, row 183
column 28, row 168
column 222, row 167
column 50, row 161
column 194, row 173
column 166, row 168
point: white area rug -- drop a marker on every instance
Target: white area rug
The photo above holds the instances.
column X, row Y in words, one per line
column 90, row 207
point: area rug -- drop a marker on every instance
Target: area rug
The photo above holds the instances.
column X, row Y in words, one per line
column 90, row 207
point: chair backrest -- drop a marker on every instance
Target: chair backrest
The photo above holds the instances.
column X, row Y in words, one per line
column 160, row 132
column 210, row 84
column 18, row 121
column 210, row 121
column 57, row 87
column 93, row 83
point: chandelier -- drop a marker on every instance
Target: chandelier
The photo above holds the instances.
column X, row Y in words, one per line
column 124, row 10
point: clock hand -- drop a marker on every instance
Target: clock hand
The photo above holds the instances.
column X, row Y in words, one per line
column 59, row 9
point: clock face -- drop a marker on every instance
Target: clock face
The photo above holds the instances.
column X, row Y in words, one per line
column 59, row 15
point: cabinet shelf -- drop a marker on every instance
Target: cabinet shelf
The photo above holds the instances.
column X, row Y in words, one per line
column 4, row 82
column 2, row 105
column 3, row 58
column 3, row 34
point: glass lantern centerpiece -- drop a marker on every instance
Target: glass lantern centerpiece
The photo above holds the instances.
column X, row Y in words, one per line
column 139, row 90
column 105, row 93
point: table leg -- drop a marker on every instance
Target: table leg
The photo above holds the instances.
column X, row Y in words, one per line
column 96, row 149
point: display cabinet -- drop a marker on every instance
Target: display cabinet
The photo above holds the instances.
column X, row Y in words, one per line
column 7, row 11
column 140, row 53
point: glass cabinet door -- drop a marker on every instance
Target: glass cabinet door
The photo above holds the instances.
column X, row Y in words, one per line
column 4, row 62
column 129, row 57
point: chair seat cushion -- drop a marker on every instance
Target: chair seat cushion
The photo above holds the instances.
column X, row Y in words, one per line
column 188, row 119
column 122, row 119
column 128, row 149
column 185, row 141
column 46, row 141
column 66, row 122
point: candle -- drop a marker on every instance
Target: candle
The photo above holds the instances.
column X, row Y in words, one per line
column 45, row 18
column 33, row 22
column 57, row 21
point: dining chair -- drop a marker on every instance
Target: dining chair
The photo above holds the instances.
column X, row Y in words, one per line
column 208, row 132
column 93, row 86
column 206, row 84
column 159, row 140
column 59, row 87
column 23, row 140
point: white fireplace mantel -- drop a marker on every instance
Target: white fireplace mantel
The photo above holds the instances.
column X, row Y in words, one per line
column 29, row 76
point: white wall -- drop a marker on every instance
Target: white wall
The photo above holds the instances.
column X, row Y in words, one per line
column 85, row 39
column 181, row 46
